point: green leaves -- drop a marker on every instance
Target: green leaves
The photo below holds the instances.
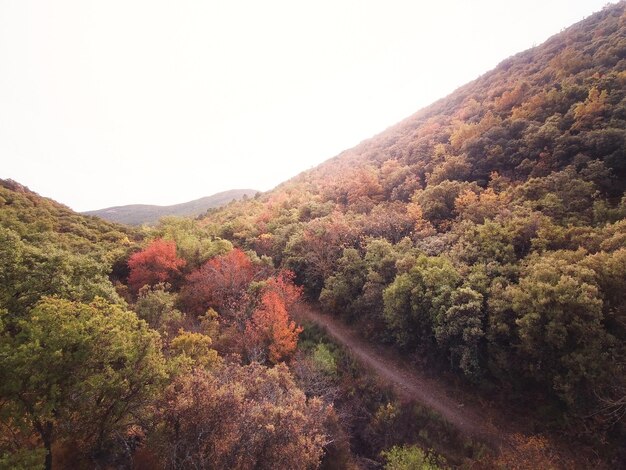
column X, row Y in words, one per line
column 559, row 329
column 408, row 458
column 460, row 329
column 30, row 272
column 417, row 298
column 79, row 370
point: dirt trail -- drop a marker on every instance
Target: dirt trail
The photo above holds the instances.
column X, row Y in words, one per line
column 410, row 383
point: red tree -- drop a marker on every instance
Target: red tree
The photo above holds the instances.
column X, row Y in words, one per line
column 270, row 333
column 283, row 285
column 219, row 282
column 154, row 264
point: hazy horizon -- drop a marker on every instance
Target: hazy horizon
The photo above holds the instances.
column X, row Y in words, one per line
column 109, row 104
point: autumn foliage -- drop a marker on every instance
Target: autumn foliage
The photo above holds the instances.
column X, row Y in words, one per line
column 249, row 417
column 471, row 233
column 270, row 334
column 485, row 234
column 283, row 285
column 219, row 282
column 156, row 263
column 524, row 452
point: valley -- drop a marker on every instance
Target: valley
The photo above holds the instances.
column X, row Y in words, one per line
column 446, row 294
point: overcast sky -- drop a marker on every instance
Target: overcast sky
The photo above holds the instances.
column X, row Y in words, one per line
column 107, row 103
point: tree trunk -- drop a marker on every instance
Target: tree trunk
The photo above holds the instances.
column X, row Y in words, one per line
column 45, row 431
column 48, row 461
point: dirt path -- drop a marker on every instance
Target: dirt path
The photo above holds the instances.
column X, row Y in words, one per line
column 409, row 382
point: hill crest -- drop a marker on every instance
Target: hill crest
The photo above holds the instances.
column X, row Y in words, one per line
column 138, row 214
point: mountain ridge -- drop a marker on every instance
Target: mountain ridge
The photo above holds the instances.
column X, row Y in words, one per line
column 138, row 214
column 448, row 105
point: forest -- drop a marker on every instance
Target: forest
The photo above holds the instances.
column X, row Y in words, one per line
column 482, row 240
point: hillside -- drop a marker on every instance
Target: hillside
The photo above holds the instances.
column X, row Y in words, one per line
column 39, row 220
column 94, row 348
column 48, row 249
column 486, row 232
column 460, row 278
column 138, row 214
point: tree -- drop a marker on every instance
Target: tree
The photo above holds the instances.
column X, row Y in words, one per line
column 415, row 299
column 408, row 458
column 453, row 168
column 554, row 317
column 29, row 272
column 312, row 253
column 363, row 183
column 219, row 283
column 460, row 330
column 438, row 201
column 523, row 452
column 478, row 207
column 194, row 349
column 592, row 109
column 283, row 285
column 193, row 242
column 562, row 195
column 75, row 370
column 156, row 263
column 343, row 288
column 156, row 306
column 270, row 334
column 489, row 243
column 249, row 417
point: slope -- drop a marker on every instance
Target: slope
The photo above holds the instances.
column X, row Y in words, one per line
column 46, row 249
column 486, row 232
column 36, row 219
column 138, row 214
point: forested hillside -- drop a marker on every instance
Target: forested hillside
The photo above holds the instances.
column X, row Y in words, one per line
column 47, row 249
column 112, row 353
column 481, row 241
column 485, row 232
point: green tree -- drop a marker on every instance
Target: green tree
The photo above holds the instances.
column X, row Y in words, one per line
column 156, row 306
column 554, row 316
column 29, row 272
column 438, row 201
column 408, row 458
column 415, row 299
column 460, row 330
column 75, row 370
column 194, row 350
column 562, row 195
column 324, row 359
column 344, row 287
column 193, row 243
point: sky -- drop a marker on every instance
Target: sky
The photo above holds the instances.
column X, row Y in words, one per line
column 106, row 103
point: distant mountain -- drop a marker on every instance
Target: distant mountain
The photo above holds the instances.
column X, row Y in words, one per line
column 137, row 214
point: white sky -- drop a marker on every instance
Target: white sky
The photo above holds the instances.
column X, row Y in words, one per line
column 112, row 102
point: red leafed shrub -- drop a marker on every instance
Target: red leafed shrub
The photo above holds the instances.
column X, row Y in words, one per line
column 154, row 264
column 270, row 333
column 219, row 282
column 284, row 286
